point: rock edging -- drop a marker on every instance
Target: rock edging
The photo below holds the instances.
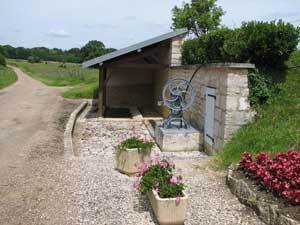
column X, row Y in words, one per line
column 268, row 211
column 68, row 134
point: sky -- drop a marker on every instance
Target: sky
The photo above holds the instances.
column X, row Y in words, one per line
column 117, row 23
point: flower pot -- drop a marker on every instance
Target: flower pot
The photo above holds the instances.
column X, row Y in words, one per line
column 128, row 160
column 166, row 210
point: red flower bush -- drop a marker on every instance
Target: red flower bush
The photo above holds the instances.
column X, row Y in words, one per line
column 280, row 175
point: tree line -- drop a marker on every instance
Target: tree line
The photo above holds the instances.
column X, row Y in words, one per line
column 74, row 55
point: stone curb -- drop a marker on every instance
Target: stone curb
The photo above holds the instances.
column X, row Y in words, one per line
column 267, row 211
column 68, row 134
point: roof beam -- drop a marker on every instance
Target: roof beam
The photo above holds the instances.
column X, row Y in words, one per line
column 136, row 56
column 140, row 66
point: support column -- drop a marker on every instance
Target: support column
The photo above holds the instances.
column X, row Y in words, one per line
column 102, row 91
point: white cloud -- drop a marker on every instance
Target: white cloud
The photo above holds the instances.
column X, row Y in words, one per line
column 59, row 33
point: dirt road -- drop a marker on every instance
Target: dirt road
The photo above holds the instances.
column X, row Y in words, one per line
column 32, row 119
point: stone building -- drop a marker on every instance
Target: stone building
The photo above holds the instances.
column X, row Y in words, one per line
column 135, row 76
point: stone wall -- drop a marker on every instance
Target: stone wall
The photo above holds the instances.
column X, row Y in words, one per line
column 175, row 51
column 232, row 109
column 143, row 88
column 269, row 209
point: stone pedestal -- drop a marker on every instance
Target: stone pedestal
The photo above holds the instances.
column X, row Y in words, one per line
column 177, row 139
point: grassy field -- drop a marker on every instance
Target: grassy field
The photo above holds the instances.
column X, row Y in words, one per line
column 277, row 126
column 7, row 76
column 85, row 81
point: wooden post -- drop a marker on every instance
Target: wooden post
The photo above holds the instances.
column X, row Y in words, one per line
column 102, row 91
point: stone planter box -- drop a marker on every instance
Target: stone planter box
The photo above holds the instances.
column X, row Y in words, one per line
column 166, row 210
column 128, row 160
column 269, row 209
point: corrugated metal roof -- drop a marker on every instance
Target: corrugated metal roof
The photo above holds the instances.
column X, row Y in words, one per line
column 134, row 47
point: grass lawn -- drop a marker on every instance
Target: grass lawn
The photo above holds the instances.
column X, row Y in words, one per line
column 7, row 76
column 85, row 81
column 276, row 128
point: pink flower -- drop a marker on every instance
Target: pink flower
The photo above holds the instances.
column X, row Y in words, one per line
column 177, row 199
column 163, row 164
column 174, row 180
column 144, row 168
column 136, row 184
column 171, row 162
column 137, row 174
column 156, row 159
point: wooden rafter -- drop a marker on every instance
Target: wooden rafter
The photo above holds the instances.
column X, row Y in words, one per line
column 140, row 66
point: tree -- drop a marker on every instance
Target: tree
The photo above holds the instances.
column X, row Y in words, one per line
column 200, row 17
column 2, row 60
column 93, row 49
column 22, row 53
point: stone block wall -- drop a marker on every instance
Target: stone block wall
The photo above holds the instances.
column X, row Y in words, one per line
column 175, row 51
column 232, row 109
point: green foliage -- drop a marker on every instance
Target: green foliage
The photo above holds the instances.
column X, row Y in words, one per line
column 266, row 44
column 201, row 16
column 207, row 49
column 74, row 55
column 2, row 60
column 34, row 59
column 276, row 127
column 158, row 176
column 294, row 59
column 269, row 44
column 136, row 142
column 94, row 49
column 7, row 76
column 261, row 89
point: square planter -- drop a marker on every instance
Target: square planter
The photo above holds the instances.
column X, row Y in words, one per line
column 166, row 210
column 128, row 160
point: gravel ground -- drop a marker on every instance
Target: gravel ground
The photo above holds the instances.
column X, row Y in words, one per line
column 101, row 195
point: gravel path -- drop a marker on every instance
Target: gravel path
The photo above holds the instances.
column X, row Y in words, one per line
column 107, row 197
column 39, row 185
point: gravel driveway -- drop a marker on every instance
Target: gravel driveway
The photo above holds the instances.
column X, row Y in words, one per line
column 107, row 197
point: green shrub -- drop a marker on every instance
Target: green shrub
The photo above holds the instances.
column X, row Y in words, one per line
column 270, row 44
column 136, row 142
column 34, row 59
column 266, row 44
column 294, row 59
column 194, row 51
column 234, row 48
column 261, row 88
column 2, row 60
column 208, row 48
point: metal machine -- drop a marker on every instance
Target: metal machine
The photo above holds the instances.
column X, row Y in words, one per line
column 178, row 95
